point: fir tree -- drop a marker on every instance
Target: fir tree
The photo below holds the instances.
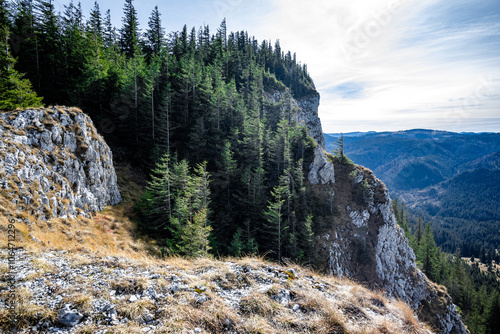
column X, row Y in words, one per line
column 237, row 245
column 427, row 253
column 15, row 92
column 155, row 33
column 275, row 226
column 339, row 151
column 492, row 312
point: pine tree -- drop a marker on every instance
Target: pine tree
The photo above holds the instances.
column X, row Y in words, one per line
column 339, row 151
column 491, row 313
column 195, row 235
column 48, row 35
column 4, row 13
column 307, row 239
column 155, row 33
column 427, row 253
column 419, row 231
column 237, row 245
column 109, row 33
column 95, row 24
column 157, row 203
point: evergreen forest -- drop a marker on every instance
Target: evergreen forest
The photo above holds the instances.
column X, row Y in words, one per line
column 194, row 109
column 474, row 290
column 206, row 114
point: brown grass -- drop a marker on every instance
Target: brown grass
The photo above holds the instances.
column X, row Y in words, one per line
column 25, row 313
column 260, row 304
column 82, row 301
column 135, row 310
column 129, row 286
column 409, row 319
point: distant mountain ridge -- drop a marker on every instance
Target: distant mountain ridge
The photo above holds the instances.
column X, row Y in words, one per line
column 415, row 159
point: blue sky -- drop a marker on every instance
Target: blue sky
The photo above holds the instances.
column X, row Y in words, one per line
column 378, row 64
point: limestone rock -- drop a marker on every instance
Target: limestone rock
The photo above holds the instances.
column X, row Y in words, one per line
column 55, row 164
column 321, row 170
column 367, row 245
column 69, row 317
column 308, row 115
column 305, row 112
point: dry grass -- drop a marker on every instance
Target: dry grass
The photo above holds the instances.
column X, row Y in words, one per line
column 119, row 329
column 82, row 301
column 129, row 286
column 260, row 304
column 26, row 313
column 410, row 322
column 135, row 310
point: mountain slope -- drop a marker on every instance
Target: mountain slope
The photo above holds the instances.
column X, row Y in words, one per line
column 358, row 214
column 96, row 293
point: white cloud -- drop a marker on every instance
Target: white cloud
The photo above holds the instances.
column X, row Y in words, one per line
column 405, row 67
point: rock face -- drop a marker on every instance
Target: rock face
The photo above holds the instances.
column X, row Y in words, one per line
column 321, row 170
column 54, row 164
column 364, row 241
column 305, row 112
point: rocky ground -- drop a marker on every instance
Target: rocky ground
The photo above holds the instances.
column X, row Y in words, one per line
column 67, row 292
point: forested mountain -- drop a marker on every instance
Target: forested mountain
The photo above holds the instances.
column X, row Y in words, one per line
column 224, row 132
column 208, row 112
column 451, row 179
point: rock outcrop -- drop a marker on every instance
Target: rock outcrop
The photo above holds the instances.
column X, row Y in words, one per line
column 305, row 112
column 321, row 170
column 364, row 241
column 54, row 164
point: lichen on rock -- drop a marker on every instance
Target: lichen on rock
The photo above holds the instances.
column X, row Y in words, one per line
column 53, row 163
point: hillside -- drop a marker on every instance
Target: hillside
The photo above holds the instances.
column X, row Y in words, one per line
column 361, row 215
column 218, row 152
column 63, row 292
column 80, row 274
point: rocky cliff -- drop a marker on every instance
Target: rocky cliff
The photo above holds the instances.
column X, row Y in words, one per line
column 54, row 164
column 362, row 240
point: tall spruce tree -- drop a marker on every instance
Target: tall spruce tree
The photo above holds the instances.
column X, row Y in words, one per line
column 275, row 227
column 427, row 253
column 129, row 38
column 155, row 34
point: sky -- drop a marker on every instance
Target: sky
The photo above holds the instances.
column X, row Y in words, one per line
column 379, row 65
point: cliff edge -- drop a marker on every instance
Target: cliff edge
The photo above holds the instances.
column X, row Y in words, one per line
column 361, row 239
column 53, row 163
